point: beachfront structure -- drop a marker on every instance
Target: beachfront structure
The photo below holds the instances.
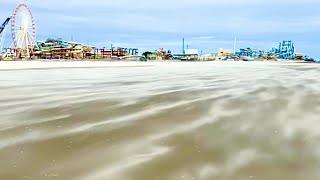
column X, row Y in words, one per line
column 250, row 53
column 193, row 53
column 208, row 57
column 224, row 54
column 159, row 54
column 59, row 49
column 190, row 54
column 285, row 50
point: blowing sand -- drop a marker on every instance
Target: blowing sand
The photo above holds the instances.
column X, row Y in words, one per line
column 9, row 65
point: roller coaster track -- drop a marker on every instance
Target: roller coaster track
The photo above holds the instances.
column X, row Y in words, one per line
column 3, row 29
column 3, row 26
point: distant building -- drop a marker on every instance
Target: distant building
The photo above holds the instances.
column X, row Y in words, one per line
column 208, row 57
column 250, row 53
column 224, row 54
column 160, row 54
column 189, row 55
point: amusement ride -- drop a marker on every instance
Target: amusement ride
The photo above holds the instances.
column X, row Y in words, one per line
column 23, row 30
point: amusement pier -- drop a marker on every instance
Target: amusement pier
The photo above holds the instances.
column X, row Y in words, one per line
column 24, row 46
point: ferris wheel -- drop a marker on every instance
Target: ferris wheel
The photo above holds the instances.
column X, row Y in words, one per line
column 23, row 29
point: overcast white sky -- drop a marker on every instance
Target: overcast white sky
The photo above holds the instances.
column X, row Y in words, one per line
column 150, row 24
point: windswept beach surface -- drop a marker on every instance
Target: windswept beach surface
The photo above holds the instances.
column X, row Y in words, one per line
column 159, row 121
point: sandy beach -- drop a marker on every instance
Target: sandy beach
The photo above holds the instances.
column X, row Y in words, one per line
column 85, row 120
column 9, row 65
column 45, row 64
